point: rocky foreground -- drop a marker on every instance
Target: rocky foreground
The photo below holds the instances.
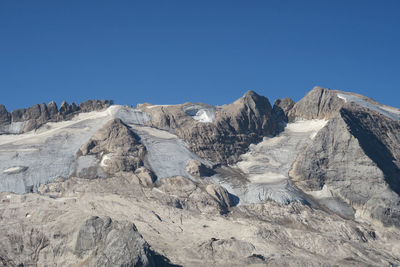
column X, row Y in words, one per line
column 312, row 183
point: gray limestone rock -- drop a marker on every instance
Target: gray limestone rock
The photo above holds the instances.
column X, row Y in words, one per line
column 39, row 114
column 319, row 103
column 92, row 105
column 145, row 176
column 5, row 116
column 118, row 147
column 52, row 109
column 228, row 135
column 221, row 195
column 198, row 169
column 281, row 108
column 225, row 249
column 356, row 155
column 186, row 194
column 104, row 242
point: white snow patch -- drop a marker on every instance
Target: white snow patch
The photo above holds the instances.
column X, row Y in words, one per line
column 390, row 112
column 202, row 113
column 15, row 169
column 162, row 134
column 267, row 164
column 104, row 159
column 167, row 155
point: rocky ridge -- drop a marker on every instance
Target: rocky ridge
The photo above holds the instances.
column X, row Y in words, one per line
column 37, row 115
column 228, row 135
column 346, row 156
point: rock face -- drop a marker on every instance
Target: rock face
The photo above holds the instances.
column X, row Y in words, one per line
column 321, row 189
column 65, row 230
column 5, row 116
column 118, row 147
column 228, row 135
column 319, row 103
column 39, row 114
column 282, row 107
column 145, row 176
column 185, row 194
column 104, row 242
column 356, row 155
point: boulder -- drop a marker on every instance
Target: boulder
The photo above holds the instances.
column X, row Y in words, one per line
column 146, row 177
column 104, row 242
column 198, row 169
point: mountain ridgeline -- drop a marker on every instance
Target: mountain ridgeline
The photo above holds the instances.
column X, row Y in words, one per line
column 331, row 156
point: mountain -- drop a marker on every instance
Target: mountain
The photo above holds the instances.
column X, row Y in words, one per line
column 313, row 183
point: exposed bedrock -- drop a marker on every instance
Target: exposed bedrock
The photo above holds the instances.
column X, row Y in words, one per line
column 228, row 135
column 183, row 193
column 117, row 148
column 357, row 157
column 198, row 169
column 281, row 108
column 37, row 115
column 319, row 103
column 5, row 116
column 104, row 242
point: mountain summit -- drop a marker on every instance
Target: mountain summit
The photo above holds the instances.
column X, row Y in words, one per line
column 313, row 183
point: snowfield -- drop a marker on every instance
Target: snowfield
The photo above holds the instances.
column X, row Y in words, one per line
column 267, row 164
column 202, row 113
column 390, row 112
column 40, row 156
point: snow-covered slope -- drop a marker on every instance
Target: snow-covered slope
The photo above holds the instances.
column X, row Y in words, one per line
column 167, row 155
column 40, row 156
column 390, row 112
column 267, row 164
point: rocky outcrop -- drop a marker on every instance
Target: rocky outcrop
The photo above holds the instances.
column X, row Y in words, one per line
column 225, row 249
column 281, row 108
column 183, row 193
column 198, row 169
column 228, row 135
column 92, row 105
column 319, row 103
column 117, row 146
column 356, row 156
column 145, row 176
column 104, row 242
column 39, row 114
column 5, row 116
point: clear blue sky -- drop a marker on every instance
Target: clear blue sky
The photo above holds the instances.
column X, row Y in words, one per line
column 171, row 51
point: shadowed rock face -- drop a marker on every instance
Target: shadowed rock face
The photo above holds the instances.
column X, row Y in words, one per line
column 234, row 128
column 103, row 242
column 357, row 156
column 5, row 116
column 39, row 114
column 281, row 108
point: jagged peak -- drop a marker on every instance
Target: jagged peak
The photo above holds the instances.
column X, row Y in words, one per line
column 250, row 93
